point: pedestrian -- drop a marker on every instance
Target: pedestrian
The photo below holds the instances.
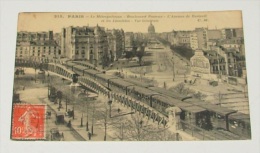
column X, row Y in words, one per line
column 118, row 110
column 89, row 136
column 62, row 136
column 141, row 123
column 72, row 113
column 177, row 136
column 69, row 124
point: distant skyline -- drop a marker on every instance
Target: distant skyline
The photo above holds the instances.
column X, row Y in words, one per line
column 130, row 22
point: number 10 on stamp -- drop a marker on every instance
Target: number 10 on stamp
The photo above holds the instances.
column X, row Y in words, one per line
column 28, row 122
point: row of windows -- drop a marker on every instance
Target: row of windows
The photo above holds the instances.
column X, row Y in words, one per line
column 77, row 52
column 47, row 50
column 230, row 46
column 39, row 50
column 22, row 52
column 44, row 51
column 215, row 68
column 230, row 61
column 82, row 56
column 216, row 61
column 34, row 53
column 91, row 46
column 38, row 47
column 26, row 52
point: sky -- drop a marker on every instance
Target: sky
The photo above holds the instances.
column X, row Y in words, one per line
column 130, row 22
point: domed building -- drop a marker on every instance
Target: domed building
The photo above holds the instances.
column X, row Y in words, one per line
column 151, row 30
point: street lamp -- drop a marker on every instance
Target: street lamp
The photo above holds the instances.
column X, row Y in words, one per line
column 66, row 103
column 87, row 94
column 173, row 71
column 105, row 137
column 92, row 128
column 73, row 102
column 49, row 90
column 84, row 96
column 187, row 65
column 35, row 72
column 87, row 120
column 109, row 103
column 81, row 120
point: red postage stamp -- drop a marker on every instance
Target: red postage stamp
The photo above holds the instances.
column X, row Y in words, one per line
column 28, row 122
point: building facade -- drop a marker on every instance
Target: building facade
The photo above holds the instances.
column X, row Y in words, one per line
column 217, row 62
column 37, row 45
column 229, row 33
column 85, row 43
column 202, row 38
column 194, row 41
column 116, row 43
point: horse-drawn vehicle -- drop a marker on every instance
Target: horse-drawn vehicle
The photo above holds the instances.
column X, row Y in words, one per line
column 60, row 118
column 56, row 135
column 48, row 116
column 16, row 98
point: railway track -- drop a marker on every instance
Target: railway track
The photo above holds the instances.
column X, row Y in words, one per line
column 210, row 135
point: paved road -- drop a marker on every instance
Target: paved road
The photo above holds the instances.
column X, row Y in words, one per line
column 35, row 96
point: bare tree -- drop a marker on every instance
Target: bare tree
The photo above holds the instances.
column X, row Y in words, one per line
column 102, row 114
column 181, row 89
column 140, row 53
column 68, row 97
column 84, row 105
column 136, row 129
column 199, row 95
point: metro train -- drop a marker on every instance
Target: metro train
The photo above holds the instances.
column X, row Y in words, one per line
column 193, row 110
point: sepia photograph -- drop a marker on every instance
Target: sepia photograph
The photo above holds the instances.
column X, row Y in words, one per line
column 146, row 76
column 127, row 76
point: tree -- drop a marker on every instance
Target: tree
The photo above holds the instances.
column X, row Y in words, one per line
column 136, row 129
column 41, row 66
column 181, row 89
column 67, row 98
column 59, row 97
column 84, row 104
column 199, row 95
column 52, row 91
column 129, row 54
column 140, row 55
column 184, row 51
column 102, row 114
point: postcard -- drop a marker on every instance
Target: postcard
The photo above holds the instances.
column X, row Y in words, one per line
column 158, row 76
